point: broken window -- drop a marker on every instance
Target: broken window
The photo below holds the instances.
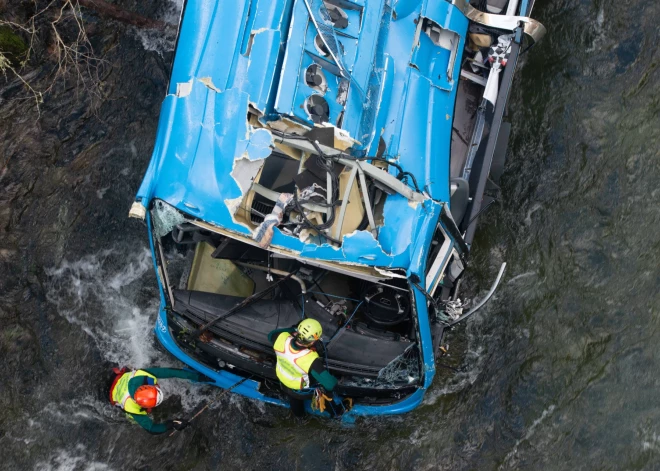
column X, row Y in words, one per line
column 368, row 326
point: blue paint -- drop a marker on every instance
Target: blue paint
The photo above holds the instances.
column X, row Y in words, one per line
column 203, row 132
column 235, row 56
column 404, row 8
column 523, row 8
column 418, row 268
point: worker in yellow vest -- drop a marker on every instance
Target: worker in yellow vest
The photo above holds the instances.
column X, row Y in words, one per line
column 299, row 367
column 137, row 392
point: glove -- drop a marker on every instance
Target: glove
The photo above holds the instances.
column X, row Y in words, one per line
column 180, row 424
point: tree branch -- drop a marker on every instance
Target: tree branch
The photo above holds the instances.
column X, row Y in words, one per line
column 112, row 11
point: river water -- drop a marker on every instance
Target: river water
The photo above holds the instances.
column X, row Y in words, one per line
column 561, row 371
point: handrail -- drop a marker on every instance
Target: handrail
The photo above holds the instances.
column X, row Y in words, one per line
column 483, row 301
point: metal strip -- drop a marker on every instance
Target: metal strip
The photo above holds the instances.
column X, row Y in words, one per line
column 452, row 229
column 483, row 301
column 328, row 191
column 371, row 170
column 440, row 262
column 274, row 195
column 344, row 203
column 367, row 203
column 273, row 270
column 512, row 8
column 164, row 275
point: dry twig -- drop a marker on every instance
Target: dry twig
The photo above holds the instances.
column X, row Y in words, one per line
column 70, row 48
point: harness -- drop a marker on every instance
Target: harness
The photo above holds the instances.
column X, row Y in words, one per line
column 119, row 373
column 119, row 395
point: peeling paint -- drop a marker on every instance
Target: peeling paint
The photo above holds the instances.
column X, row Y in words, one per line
column 243, row 172
column 183, row 89
column 259, row 31
column 209, row 83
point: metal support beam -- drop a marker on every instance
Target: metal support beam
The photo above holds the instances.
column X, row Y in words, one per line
column 367, row 203
column 344, row 159
column 344, row 203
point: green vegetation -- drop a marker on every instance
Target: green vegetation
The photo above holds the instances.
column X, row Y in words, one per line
column 12, row 48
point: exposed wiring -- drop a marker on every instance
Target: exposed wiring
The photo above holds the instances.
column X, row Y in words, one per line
column 403, row 175
column 345, row 324
column 327, row 164
column 320, row 289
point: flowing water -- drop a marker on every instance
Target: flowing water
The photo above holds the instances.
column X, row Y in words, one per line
column 561, row 371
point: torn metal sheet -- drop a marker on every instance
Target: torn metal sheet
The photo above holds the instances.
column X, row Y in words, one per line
column 313, row 141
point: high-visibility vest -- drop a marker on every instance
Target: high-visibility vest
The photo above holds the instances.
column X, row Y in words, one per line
column 293, row 366
column 121, row 397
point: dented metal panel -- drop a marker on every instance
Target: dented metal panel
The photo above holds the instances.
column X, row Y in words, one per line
column 207, row 152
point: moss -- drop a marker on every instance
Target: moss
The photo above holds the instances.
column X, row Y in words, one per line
column 11, row 45
column 13, row 333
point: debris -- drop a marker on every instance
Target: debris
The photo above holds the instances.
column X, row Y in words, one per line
column 264, row 233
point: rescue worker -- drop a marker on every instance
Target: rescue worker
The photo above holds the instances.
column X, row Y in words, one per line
column 299, row 366
column 137, row 392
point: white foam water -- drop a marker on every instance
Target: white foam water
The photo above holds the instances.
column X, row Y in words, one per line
column 99, row 294
column 71, row 460
column 474, row 358
column 510, row 459
column 158, row 40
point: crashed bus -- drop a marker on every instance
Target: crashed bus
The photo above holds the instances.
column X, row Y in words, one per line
column 326, row 159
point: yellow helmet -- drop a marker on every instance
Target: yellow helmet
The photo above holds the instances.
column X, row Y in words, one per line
column 309, row 330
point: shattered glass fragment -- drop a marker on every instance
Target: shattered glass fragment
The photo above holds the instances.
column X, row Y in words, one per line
column 165, row 217
column 403, row 370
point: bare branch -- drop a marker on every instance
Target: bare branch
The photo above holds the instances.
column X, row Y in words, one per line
column 71, row 48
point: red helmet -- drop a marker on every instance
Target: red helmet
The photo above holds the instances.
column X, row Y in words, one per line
column 148, row 396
